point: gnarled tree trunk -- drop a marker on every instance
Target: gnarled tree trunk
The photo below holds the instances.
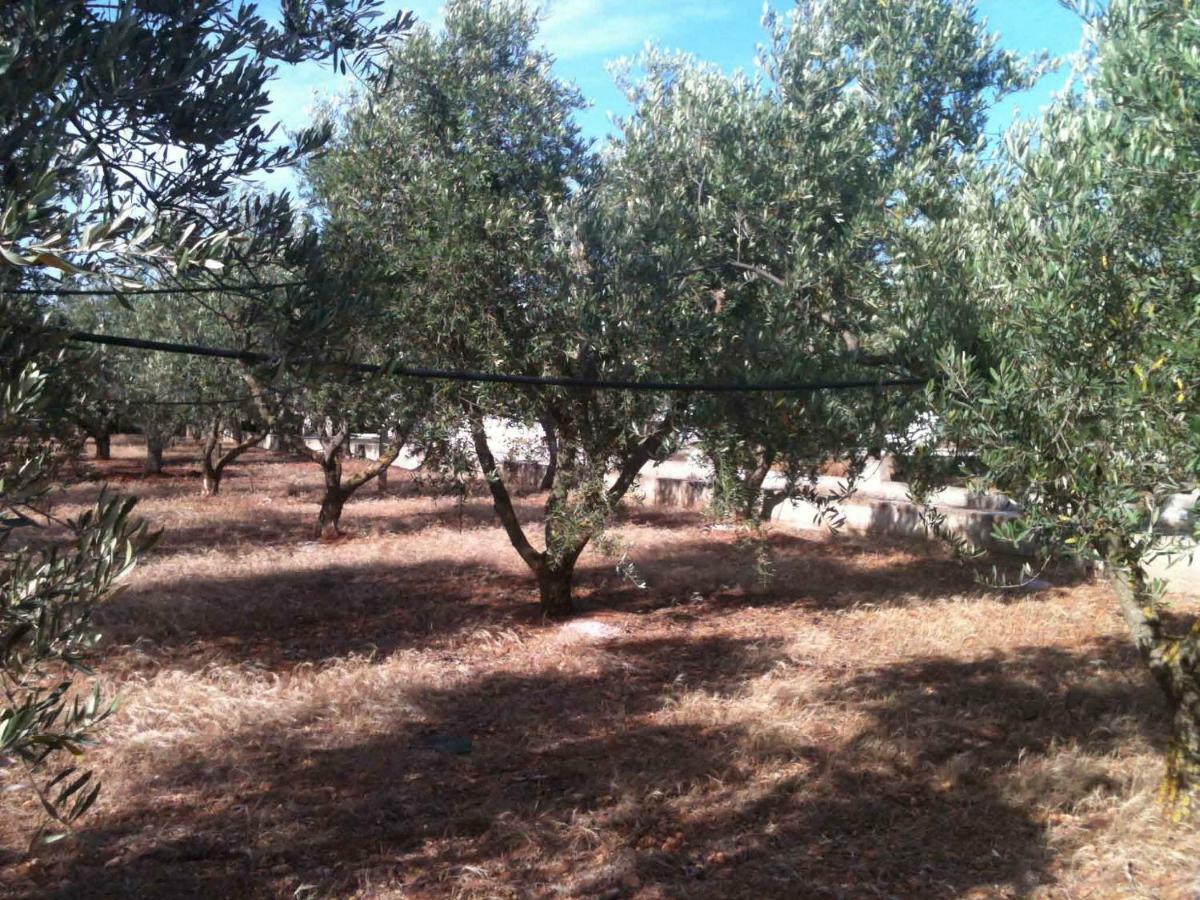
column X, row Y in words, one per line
column 332, row 503
column 339, row 491
column 329, row 458
column 554, row 567
column 555, row 578
column 1175, row 664
column 213, row 462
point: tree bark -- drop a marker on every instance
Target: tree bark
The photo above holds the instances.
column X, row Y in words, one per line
column 334, row 498
column 103, row 442
column 213, row 462
column 554, row 587
column 210, row 482
column 1181, row 783
column 756, row 503
column 501, row 500
column 770, row 501
column 551, row 434
column 210, row 471
column 332, row 504
column 555, row 567
column 1175, row 664
column 154, row 454
column 378, row 468
column 553, row 576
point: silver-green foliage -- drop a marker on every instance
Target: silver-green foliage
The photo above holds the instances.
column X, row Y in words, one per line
column 1081, row 399
column 124, row 127
column 48, row 589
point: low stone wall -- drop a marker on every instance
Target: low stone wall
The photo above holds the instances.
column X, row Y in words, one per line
column 877, row 507
column 867, row 514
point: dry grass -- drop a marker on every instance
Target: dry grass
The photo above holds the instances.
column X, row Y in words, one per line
column 870, row 725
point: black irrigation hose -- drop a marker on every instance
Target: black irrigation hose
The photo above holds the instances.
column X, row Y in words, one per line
column 227, row 401
column 249, row 356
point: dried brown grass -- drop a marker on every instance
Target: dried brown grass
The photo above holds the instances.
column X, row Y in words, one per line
column 870, row 724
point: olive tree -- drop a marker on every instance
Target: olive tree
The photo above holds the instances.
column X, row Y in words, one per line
column 461, row 184
column 1080, row 401
column 123, row 126
column 815, row 209
column 336, row 408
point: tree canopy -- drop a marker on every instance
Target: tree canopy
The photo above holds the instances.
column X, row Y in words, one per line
column 124, row 129
column 835, row 214
column 1080, row 401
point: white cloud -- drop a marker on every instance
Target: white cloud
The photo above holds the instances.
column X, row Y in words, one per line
column 582, row 35
column 574, row 29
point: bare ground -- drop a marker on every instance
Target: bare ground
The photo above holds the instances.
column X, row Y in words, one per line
column 387, row 715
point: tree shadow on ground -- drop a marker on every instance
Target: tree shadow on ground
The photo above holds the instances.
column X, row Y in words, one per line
column 310, row 606
column 719, row 573
column 605, row 782
column 292, row 522
column 280, row 618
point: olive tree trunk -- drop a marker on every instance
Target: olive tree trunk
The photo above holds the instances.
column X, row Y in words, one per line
column 554, row 567
column 339, row 490
column 555, row 579
column 155, row 445
column 756, row 505
column 103, row 442
column 1175, row 664
column 333, row 501
column 213, row 461
column 747, row 501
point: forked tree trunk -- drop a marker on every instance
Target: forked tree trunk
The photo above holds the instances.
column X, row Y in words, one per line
column 210, row 472
column 1175, row 664
column 555, row 570
column 339, row 491
column 750, row 503
column 329, row 458
column 213, row 462
column 755, row 503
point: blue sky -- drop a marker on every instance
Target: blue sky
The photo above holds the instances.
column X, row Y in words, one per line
column 585, row 35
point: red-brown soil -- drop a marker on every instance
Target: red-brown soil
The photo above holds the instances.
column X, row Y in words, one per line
column 296, row 717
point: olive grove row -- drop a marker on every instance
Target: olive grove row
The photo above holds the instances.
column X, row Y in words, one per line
column 838, row 214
